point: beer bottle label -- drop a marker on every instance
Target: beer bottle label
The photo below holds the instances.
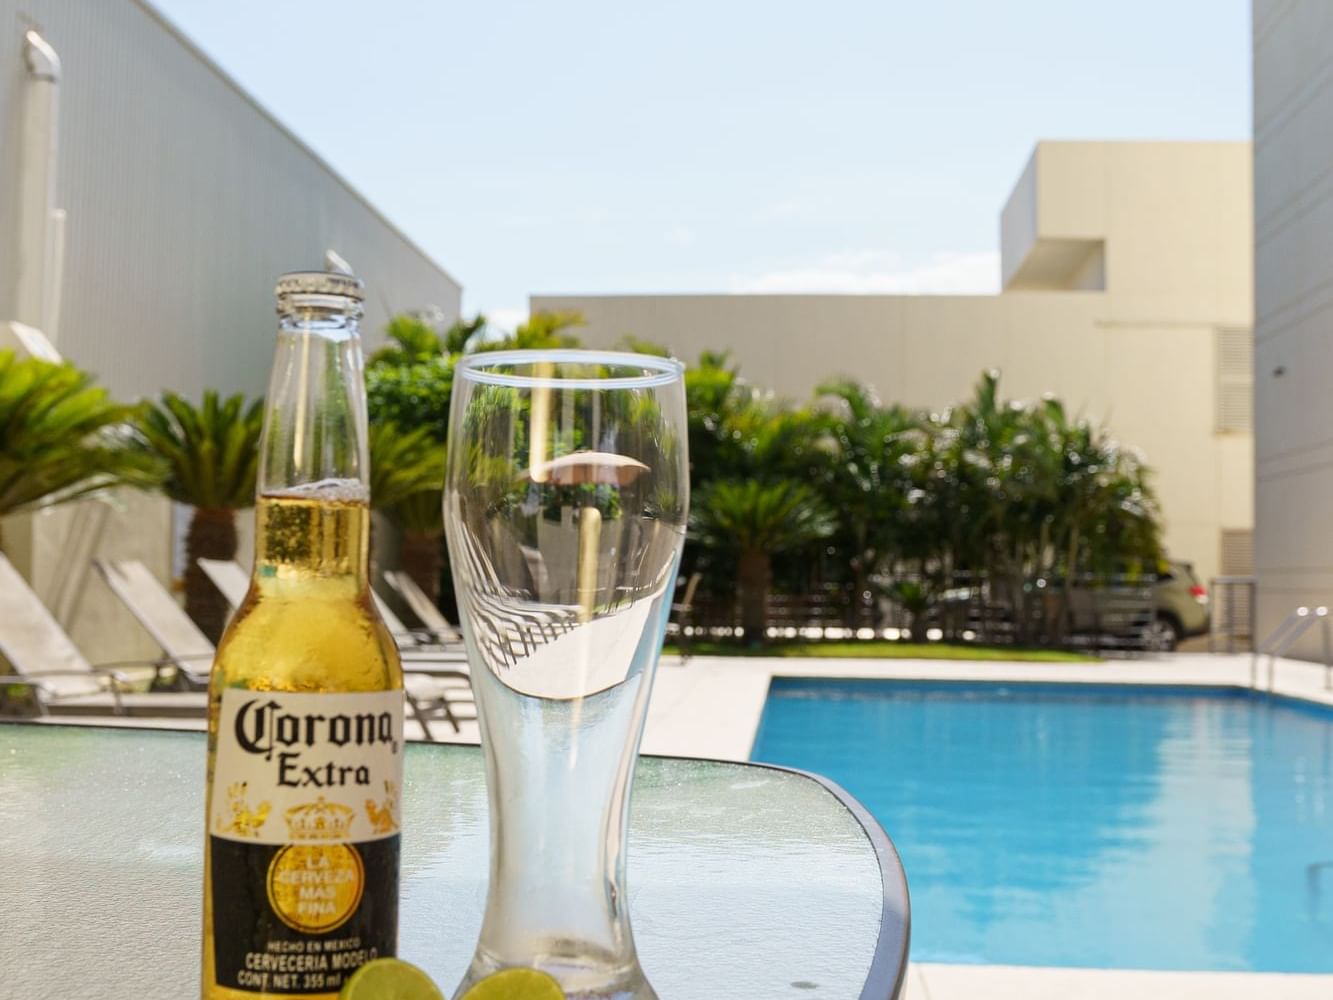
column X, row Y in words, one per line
column 303, row 837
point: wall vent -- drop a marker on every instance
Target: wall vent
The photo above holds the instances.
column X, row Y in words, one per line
column 1235, row 381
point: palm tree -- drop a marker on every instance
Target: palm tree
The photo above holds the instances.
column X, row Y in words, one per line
column 413, row 395
column 540, row 331
column 714, row 396
column 1014, row 492
column 212, row 457
column 996, row 477
column 1107, row 519
column 409, row 384
column 915, row 597
column 869, row 478
column 406, row 481
column 413, row 340
column 750, row 448
column 638, row 345
column 61, row 437
column 422, row 554
column 758, row 520
column 403, row 463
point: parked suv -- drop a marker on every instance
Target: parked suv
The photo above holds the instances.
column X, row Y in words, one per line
column 1182, row 606
column 1155, row 616
column 1133, row 613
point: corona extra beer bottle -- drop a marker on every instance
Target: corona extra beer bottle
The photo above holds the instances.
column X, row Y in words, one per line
column 305, row 721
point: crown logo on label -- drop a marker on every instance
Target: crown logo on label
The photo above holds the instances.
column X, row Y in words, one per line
column 319, row 820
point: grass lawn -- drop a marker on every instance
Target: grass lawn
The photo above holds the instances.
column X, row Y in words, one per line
column 883, row 649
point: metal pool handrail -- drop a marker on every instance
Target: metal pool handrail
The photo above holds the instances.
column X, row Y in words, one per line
column 1284, row 637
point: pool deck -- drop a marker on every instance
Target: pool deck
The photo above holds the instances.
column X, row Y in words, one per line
column 1005, row 982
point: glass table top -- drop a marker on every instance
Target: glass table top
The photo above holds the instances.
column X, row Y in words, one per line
column 745, row 882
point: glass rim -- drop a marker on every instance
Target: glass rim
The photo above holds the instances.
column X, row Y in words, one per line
column 659, row 371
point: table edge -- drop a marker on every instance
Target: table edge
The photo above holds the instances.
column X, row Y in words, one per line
column 888, row 964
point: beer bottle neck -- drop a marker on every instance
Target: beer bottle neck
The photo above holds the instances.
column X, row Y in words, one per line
column 315, row 418
column 313, row 514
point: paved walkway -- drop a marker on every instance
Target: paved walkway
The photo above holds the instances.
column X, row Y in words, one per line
column 1004, row 982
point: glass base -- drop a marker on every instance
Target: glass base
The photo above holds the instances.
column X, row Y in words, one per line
column 584, row 973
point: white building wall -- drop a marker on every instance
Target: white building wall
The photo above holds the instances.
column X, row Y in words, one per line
column 1169, row 222
column 1293, row 194
column 185, row 201
column 1151, row 385
column 1018, row 222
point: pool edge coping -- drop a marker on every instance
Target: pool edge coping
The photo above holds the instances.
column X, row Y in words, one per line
column 1177, row 670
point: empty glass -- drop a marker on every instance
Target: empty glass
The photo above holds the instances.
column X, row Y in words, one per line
column 565, row 509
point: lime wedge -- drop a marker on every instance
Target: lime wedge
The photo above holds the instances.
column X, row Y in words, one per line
column 389, row 979
column 516, row 984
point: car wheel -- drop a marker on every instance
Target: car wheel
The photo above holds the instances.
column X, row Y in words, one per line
column 1162, row 636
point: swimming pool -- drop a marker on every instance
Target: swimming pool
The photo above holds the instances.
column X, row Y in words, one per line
column 1108, row 827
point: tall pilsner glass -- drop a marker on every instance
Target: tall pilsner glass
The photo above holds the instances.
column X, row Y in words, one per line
column 565, row 511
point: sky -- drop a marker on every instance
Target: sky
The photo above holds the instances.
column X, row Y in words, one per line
column 719, row 146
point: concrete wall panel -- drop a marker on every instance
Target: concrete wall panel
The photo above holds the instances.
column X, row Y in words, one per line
column 185, row 201
column 1293, row 180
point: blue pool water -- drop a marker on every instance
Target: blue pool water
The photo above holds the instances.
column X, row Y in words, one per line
column 1113, row 827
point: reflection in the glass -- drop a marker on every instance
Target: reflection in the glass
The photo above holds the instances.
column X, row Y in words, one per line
column 565, row 511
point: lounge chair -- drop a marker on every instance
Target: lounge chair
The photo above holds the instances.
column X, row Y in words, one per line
column 161, row 617
column 683, row 613
column 61, row 679
column 422, row 606
column 233, row 581
column 428, row 691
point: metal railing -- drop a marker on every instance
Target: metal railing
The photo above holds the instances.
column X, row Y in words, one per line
column 1284, row 637
column 1233, row 612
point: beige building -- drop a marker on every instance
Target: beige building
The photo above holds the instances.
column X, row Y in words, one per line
column 147, row 204
column 1127, row 281
column 1293, row 239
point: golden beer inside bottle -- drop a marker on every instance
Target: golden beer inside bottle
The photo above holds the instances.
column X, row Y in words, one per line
column 308, row 623
column 310, row 535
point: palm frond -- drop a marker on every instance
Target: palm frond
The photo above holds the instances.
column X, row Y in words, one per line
column 421, row 514
column 403, row 464
column 62, row 437
column 211, row 451
column 749, row 515
column 542, row 330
